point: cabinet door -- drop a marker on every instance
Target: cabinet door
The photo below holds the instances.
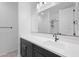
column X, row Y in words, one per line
column 37, row 54
column 26, row 48
column 23, row 50
column 38, row 51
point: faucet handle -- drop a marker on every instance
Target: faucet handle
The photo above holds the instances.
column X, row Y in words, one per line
column 54, row 34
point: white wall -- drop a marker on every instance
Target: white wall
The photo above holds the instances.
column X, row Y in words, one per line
column 34, row 18
column 24, row 18
column 8, row 17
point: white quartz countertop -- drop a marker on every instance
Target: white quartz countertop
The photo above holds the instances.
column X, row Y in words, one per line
column 62, row 47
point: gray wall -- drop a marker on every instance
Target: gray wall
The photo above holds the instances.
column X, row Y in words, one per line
column 8, row 17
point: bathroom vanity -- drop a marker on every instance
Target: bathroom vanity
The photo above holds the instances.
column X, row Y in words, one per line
column 36, row 34
column 45, row 45
column 28, row 49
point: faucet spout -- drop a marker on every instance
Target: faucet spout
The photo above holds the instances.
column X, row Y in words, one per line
column 56, row 37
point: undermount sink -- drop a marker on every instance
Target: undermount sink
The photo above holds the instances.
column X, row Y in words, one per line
column 58, row 44
column 51, row 42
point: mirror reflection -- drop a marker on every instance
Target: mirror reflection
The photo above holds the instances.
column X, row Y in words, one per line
column 53, row 17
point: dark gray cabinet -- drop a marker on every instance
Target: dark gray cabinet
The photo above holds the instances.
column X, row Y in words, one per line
column 25, row 48
column 43, row 52
column 29, row 49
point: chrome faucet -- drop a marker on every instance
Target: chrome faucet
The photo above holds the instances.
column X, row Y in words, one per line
column 56, row 37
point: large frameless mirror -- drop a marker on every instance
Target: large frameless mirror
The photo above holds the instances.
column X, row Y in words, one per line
column 50, row 18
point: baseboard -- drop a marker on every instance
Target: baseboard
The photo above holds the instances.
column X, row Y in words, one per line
column 4, row 53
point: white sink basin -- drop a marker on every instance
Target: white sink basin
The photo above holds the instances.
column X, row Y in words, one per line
column 50, row 42
column 58, row 44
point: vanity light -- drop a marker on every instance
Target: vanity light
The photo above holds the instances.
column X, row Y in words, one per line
column 40, row 4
